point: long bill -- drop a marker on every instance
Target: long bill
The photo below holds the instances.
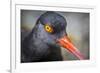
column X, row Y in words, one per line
column 66, row 43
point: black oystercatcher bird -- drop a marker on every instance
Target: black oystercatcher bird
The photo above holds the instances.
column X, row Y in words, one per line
column 44, row 41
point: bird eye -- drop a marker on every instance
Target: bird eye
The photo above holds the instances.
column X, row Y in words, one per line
column 48, row 28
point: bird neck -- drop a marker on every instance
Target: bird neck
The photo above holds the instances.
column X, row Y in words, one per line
column 33, row 43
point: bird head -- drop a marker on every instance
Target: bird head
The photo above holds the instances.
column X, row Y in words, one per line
column 51, row 28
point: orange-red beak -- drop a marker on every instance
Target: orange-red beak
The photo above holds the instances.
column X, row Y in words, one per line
column 66, row 43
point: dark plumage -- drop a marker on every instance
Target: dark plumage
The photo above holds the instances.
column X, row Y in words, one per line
column 40, row 45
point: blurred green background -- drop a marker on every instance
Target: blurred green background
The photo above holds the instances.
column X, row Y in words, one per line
column 77, row 29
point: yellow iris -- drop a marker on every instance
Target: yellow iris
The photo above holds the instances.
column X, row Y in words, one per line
column 48, row 28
